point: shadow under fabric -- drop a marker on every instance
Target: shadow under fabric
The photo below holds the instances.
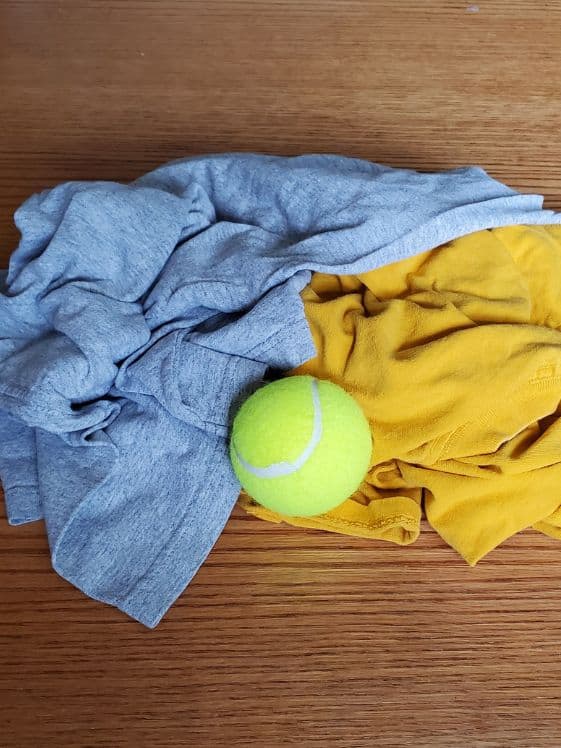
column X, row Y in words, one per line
column 455, row 357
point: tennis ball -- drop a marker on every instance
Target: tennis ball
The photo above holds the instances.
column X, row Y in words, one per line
column 300, row 446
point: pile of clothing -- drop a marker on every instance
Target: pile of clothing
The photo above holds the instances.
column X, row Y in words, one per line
column 135, row 318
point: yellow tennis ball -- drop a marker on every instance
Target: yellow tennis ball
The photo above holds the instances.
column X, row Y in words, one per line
column 300, row 446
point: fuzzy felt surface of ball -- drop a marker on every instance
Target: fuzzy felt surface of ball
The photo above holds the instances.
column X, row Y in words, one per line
column 300, row 446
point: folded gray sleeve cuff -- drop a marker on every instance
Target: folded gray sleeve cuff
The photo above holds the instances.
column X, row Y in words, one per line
column 18, row 470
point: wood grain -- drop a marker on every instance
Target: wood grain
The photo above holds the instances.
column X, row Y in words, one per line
column 286, row 637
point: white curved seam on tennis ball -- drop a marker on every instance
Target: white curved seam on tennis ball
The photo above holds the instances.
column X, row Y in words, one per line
column 280, row 469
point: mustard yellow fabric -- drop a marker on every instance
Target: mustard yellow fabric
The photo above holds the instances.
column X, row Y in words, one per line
column 455, row 356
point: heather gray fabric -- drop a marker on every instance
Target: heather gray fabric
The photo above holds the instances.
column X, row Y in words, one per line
column 135, row 317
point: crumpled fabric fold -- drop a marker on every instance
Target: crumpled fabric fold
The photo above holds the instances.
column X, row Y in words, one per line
column 134, row 318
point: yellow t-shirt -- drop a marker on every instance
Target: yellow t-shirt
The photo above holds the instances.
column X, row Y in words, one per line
column 455, row 356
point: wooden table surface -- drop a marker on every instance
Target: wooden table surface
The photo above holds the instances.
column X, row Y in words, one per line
column 285, row 637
